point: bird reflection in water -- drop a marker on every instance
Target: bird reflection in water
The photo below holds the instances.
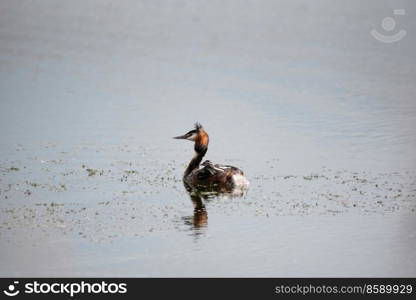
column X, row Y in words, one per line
column 201, row 195
column 199, row 220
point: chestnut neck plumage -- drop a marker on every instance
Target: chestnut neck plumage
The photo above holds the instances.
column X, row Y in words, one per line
column 201, row 148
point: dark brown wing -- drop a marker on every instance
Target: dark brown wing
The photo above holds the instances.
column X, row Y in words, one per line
column 208, row 173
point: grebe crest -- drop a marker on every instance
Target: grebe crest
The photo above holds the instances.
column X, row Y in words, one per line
column 208, row 174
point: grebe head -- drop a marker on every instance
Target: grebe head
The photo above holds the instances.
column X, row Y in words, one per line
column 197, row 135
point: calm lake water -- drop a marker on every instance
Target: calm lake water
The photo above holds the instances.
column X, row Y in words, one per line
column 319, row 115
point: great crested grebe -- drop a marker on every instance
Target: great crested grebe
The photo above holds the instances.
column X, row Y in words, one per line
column 207, row 174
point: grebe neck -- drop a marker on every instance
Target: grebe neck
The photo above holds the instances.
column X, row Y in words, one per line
column 196, row 160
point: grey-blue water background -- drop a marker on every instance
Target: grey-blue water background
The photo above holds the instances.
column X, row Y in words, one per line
column 319, row 114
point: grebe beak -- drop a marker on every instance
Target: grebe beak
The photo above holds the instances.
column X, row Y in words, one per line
column 181, row 137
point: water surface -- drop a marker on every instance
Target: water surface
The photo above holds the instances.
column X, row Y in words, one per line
column 318, row 114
